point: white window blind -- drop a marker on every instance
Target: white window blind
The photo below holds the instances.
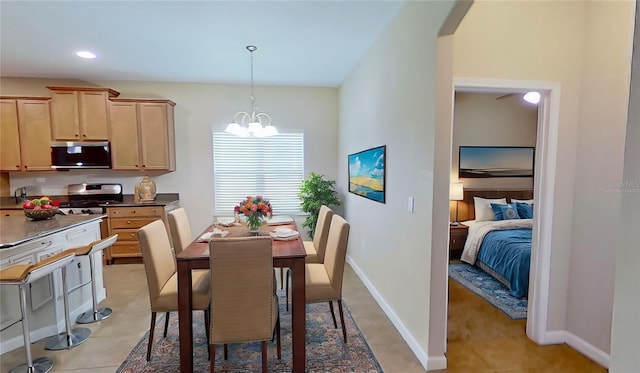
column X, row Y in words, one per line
column 272, row 167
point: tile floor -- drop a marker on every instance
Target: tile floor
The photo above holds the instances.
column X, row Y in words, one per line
column 489, row 343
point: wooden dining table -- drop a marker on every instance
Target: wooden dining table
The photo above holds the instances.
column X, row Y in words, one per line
column 286, row 254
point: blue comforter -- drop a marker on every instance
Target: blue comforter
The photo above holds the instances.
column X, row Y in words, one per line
column 508, row 253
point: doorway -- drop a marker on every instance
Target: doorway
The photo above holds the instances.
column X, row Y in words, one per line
column 544, row 182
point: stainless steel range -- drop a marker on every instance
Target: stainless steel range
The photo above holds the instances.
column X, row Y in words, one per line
column 87, row 198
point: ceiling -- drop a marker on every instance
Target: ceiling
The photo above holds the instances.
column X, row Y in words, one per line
column 300, row 43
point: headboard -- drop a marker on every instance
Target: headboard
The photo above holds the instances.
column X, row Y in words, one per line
column 466, row 209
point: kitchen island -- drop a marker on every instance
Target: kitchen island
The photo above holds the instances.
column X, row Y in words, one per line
column 23, row 241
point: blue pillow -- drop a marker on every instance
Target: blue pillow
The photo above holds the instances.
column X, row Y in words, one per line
column 504, row 212
column 525, row 210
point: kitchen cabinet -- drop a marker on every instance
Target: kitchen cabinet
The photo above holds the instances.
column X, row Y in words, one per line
column 80, row 113
column 125, row 221
column 44, row 296
column 142, row 134
column 25, row 134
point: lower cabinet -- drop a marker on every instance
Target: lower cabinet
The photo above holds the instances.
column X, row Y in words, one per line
column 45, row 295
column 125, row 222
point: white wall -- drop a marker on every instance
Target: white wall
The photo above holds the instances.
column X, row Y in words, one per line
column 389, row 99
column 199, row 107
column 480, row 119
column 625, row 336
column 601, row 137
column 552, row 41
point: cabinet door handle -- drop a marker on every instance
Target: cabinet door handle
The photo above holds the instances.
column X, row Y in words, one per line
column 17, row 166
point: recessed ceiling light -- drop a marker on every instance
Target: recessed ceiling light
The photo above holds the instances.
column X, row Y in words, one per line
column 86, row 54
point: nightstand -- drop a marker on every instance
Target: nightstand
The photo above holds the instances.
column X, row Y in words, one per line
column 457, row 238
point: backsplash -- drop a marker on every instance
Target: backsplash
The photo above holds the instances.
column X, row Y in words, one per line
column 55, row 183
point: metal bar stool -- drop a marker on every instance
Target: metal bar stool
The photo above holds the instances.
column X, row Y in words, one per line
column 70, row 337
column 24, row 274
column 94, row 314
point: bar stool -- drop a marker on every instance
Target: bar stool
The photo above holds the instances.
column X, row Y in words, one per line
column 94, row 314
column 70, row 337
column 25, row 274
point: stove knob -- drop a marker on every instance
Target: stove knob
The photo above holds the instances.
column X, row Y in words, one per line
column 70, row 212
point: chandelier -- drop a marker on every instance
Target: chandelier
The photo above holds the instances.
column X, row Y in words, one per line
column 254, row 124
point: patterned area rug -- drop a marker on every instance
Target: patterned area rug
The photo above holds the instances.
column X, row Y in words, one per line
column 490, row 289
column 326, row 352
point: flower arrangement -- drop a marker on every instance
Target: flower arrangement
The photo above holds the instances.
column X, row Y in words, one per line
column 255, row 210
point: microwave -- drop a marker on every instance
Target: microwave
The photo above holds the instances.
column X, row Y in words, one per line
column 94, row 154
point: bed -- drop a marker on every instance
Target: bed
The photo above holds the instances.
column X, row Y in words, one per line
column 502, row 248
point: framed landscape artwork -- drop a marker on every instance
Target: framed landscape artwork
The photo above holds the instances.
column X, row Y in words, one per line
column 496, row 161
column 367, row 173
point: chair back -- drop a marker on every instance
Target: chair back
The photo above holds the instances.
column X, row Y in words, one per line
column 180, row 229
column 241, row 289
column 159, row 263
column 336, row 251
column 321, row 233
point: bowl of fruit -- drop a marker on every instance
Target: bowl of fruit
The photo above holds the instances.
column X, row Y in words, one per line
column 39, row 208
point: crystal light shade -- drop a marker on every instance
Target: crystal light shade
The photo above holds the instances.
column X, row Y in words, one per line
column 254, row 124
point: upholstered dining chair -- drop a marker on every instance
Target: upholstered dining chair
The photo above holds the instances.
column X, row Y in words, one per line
column 315, row 249
column 162, row 279
column 244, row 307
column 323, row 281
column 180, row 229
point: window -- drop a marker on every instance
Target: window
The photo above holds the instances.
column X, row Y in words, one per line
column 272, row 167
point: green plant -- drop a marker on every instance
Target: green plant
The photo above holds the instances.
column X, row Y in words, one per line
column 315, row 192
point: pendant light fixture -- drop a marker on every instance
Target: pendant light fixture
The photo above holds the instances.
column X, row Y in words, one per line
column 254, row 124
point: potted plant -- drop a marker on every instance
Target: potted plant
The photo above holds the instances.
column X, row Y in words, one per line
column 315, row 192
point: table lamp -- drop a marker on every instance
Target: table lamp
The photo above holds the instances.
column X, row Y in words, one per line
column 456, row 193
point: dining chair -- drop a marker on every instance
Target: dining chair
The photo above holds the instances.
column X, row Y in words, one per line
column 244, row 307
column 162, row 279
column 316, row 248
column 323, row 281
column 180, row 229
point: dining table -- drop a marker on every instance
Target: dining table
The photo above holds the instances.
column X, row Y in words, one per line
column 286, row 254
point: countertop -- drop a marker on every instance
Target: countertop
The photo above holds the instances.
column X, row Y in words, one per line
column 15, row 230
column 162, row 199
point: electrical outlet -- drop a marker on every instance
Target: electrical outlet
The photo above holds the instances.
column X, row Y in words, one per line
column 410, row 205
column 40, row 180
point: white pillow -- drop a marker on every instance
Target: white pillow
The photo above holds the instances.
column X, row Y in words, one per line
column 529, row 201
column 483, row 208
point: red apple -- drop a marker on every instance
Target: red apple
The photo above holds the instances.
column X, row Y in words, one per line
column 28, row 205
column 46, row 207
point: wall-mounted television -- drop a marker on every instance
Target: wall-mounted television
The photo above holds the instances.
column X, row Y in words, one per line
column 496, row 161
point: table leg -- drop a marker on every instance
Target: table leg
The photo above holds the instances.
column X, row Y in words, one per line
column 185, row 317
column 298, row 315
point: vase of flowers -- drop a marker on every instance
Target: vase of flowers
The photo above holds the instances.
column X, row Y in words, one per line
column 256, row 210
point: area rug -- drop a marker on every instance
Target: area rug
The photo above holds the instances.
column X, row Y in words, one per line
column 326, row 352
column 488, row 288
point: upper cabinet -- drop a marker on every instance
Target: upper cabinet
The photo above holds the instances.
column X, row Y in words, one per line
column 25, row 134
column 142, row 134
column 80, row 113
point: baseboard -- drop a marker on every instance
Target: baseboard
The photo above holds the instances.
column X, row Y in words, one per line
column 588, row 350
column 35, row 335
column 437, row 362
column 578, row 344
column 13, row 343
column 427, row 362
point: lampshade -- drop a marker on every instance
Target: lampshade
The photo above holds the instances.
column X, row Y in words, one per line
column 456, row 191
column 254, row 124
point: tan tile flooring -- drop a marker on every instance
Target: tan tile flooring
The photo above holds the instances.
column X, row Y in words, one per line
column 490, row 342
